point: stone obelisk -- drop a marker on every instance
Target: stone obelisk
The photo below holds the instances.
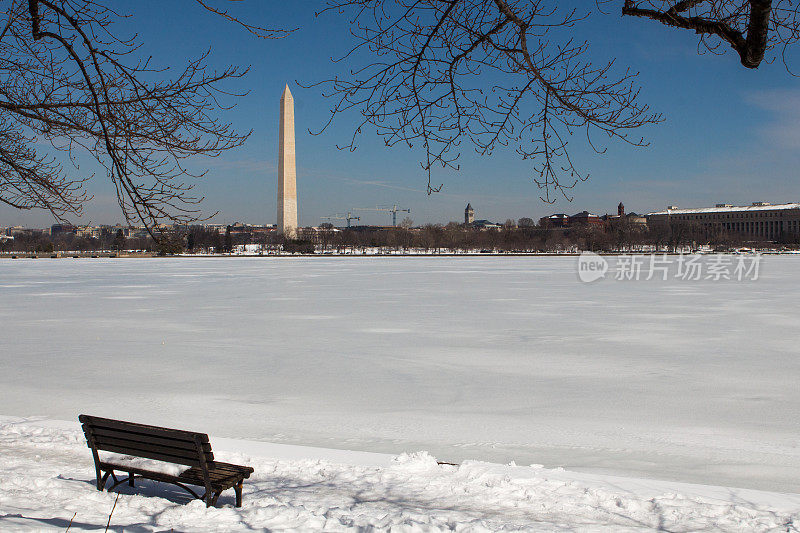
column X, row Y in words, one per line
column 287, row 174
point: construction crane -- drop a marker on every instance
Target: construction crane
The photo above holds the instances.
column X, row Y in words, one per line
column 338, row 216
column 393, row 210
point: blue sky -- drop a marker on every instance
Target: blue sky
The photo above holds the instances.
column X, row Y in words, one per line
column 731, row 134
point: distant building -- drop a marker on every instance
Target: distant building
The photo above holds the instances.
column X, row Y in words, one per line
column 57, row 229
column 88, row 231
column 758, row 220
column 469, row 220
column 634, row 218
column 623, row 218
column 17, row 230
column 557, row 220
column 316, row 234
column 485, row 224
column 112, row 231
column 239, row 229
column 585, row 218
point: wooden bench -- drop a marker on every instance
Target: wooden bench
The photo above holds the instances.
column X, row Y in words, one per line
column 174, row 446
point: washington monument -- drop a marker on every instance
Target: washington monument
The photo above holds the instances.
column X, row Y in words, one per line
column 287, row 174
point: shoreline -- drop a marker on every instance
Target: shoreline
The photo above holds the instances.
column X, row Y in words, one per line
column 147, row 255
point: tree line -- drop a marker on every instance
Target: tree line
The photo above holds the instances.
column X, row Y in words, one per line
column 430, row 238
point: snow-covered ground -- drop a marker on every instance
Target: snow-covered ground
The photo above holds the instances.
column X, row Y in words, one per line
column 485, row 358
column 47, row 483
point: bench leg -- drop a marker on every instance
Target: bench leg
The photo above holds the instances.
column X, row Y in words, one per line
column 101, row 482
column 130, row 480
column 211, row 499
column 238, row 490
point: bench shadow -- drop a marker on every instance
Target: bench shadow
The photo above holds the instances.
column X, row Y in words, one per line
column 158, row 489
column 170, row 492
column 63, row 524
column 143, row 487
column 154, row 489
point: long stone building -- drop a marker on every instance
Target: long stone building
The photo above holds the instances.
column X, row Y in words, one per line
column 760, row 220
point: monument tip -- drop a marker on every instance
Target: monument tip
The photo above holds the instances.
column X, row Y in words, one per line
column 286, row 91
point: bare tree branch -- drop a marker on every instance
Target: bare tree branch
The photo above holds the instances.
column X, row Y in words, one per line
column 750, row 27
column 68, row 84
column 492, row 73
column 258, row 31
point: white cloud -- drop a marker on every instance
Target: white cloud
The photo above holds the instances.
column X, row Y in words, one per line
column 782, row 127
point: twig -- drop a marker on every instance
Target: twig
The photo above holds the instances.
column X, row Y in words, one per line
column 112, row 512
column 70, row 521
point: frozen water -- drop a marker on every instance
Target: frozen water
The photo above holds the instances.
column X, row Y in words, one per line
column 486, row 358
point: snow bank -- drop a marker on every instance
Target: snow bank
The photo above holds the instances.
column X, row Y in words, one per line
column 47, row 483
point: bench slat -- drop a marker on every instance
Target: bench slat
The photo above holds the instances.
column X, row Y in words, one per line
column 134, row 448
column 229, row 467
column 193, row 476
column 125, row 450
column 143, row 429
column 149, row 474
column 145, row 439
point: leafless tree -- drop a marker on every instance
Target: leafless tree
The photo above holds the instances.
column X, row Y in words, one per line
column 70, row 83
column 437, row 73
column 442, row 74
column 751, row 28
